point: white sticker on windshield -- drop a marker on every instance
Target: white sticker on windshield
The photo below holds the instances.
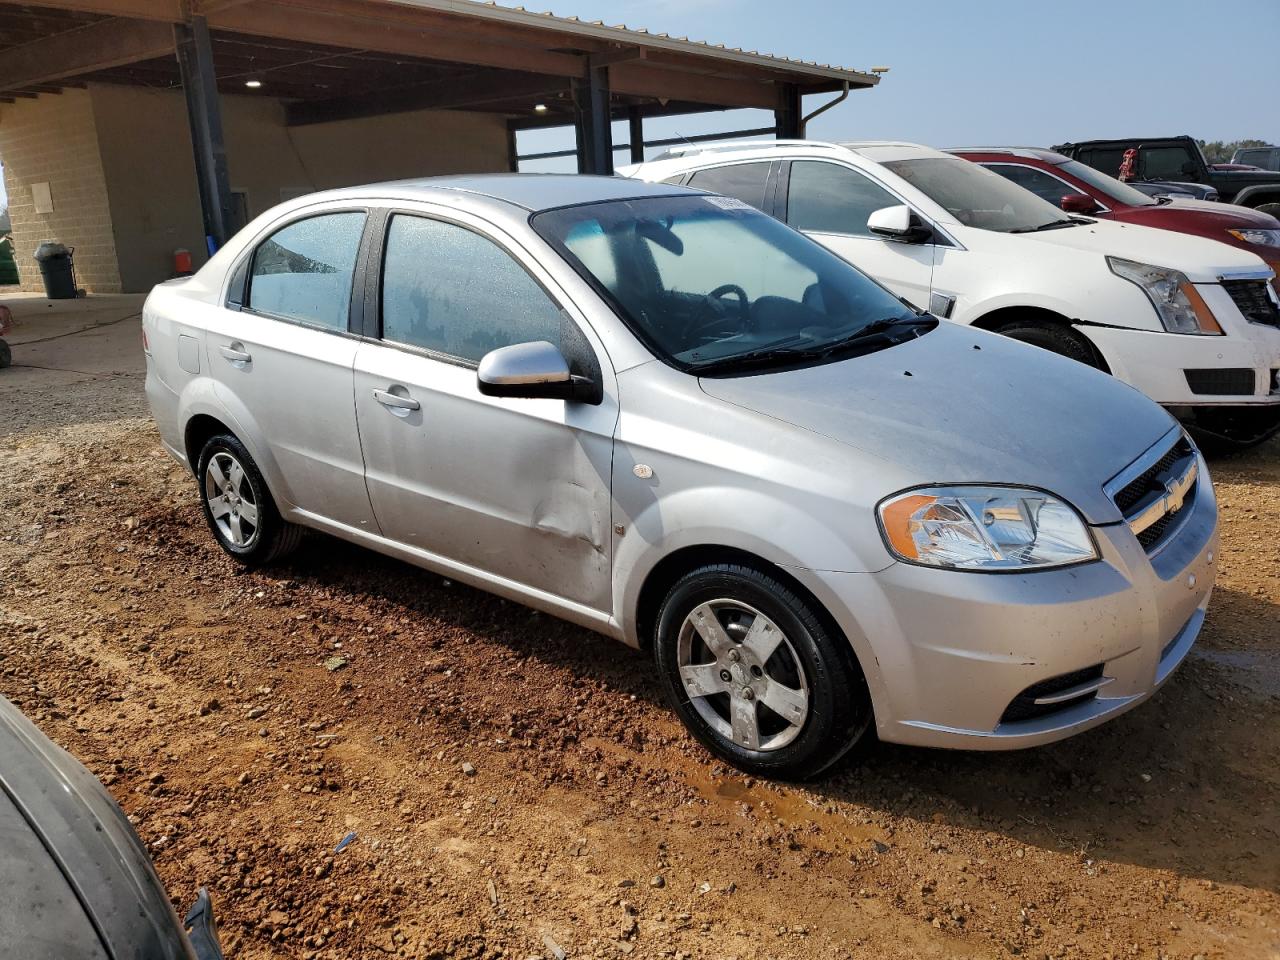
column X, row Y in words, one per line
column 729, row 203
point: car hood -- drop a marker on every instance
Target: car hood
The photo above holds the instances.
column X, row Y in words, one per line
column 1201, row 259
column 958, row 405
column 107, row 881
column 1229, row 214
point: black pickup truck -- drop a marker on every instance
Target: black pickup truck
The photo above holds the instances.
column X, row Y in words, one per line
column 1179, row 158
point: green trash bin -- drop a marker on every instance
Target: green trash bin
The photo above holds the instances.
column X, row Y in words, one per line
column 8, row 263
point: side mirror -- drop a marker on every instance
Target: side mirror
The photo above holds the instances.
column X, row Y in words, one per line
column 898, row 223
column 530, row 370
column 1078, row 203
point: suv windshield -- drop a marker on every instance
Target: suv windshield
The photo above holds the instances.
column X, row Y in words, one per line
column 1117, row 190
column 978, row 197
column 712, row 285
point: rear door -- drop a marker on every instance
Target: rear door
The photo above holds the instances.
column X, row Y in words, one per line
column 281, row 354
column 517, row 489
column 831, row 202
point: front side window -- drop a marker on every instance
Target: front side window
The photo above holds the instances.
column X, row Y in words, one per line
column 829, row 198
column 710, row 284
column 304, row 271
column 1043, row 185
column 450, row 290
column 977, row 197
column 746, row 181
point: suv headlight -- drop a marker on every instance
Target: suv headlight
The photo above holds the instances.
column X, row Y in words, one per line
column 1179, row 304
column 1259, row 235
column 984, row 529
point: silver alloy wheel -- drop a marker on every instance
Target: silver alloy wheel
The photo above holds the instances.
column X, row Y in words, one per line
column 739, row 676
column 229, row 495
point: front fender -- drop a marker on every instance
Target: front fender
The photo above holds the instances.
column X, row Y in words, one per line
column 717, row 516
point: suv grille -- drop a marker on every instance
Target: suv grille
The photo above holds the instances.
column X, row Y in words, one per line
column 1254, row 301
column 1154, row 501
column 1225, row 381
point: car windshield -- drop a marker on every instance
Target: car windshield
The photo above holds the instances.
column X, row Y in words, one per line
column 710, row 283
column 1115, row 189
column 978, row 197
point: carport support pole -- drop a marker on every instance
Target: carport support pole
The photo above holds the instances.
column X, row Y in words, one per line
column 635, row 120
column 204, row 114
column 594, row 123
column 786, row 115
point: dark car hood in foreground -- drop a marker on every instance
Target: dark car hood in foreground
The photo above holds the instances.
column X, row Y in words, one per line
column 86, row 886
column 975, row 408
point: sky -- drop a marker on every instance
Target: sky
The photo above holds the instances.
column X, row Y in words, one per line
column 991, row 72
column 996, row 72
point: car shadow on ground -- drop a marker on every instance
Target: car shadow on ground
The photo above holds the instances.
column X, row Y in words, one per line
column 1166, row 786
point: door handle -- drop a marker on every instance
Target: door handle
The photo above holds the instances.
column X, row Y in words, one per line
column 395, row 401
column 235, row 353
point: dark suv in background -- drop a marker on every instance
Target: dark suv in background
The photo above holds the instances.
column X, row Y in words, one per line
column 1180, row 159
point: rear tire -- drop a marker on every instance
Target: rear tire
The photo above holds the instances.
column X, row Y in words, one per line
column 757, row 675
column 6, row 355
column 1054, row 337
column 238, row 506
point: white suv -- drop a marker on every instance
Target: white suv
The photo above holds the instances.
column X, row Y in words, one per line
column 1174, row 315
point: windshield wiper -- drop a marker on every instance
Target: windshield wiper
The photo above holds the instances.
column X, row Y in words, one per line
column 779, row 353
column 1051, row 225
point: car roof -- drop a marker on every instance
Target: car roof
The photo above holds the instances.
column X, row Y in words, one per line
column 1030, row 153
column 530, row 191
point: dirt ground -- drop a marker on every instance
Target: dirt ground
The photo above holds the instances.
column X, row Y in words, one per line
column 515, row 786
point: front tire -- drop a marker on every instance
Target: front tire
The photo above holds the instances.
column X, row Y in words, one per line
column 238, row 506
column 757, row 675
column 1055, row 337
column 1271, row 208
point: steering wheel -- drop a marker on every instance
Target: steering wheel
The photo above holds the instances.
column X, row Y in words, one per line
column 715, row 300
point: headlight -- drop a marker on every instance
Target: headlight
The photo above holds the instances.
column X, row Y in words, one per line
column 1179, row 304
column 984, row 529
column 1258, row 235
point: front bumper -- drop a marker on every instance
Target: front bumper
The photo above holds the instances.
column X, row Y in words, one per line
column 950, row 651
column 1157, row 363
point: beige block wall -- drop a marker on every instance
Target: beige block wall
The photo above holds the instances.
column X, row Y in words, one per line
column 155, row 205
column 53, row 139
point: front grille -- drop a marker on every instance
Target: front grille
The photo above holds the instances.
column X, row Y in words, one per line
column 1225, row 381
column 1157, row 488
column 1024, row 706
column 1135, row 490
column 1254, row 301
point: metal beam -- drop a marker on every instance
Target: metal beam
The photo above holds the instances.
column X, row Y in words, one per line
column 635, row 128
column 96, row 46
column 594, row 121
column 786, row 112
column 204, row 113
column 471, row 90
column 641, row 79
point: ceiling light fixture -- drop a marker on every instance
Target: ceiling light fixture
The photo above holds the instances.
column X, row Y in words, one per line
column 539, row 108
column 253, row 84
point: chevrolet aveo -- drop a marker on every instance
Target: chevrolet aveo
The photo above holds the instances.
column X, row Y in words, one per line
column 665, row 416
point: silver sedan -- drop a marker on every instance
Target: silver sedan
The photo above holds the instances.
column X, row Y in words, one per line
column 667, row 417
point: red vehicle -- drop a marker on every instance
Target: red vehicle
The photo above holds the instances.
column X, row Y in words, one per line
column 1080, row 189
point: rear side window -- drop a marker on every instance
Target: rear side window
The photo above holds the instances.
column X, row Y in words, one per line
column 829, row 198
column 1042, row 184
column 1166, row 163
column 304, row 271
column 450, row 290
column 1107, row 160
column 746, row 181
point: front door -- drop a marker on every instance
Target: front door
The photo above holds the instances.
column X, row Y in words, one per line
column 280, row 354
column 831, row 202
column 517, row 488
